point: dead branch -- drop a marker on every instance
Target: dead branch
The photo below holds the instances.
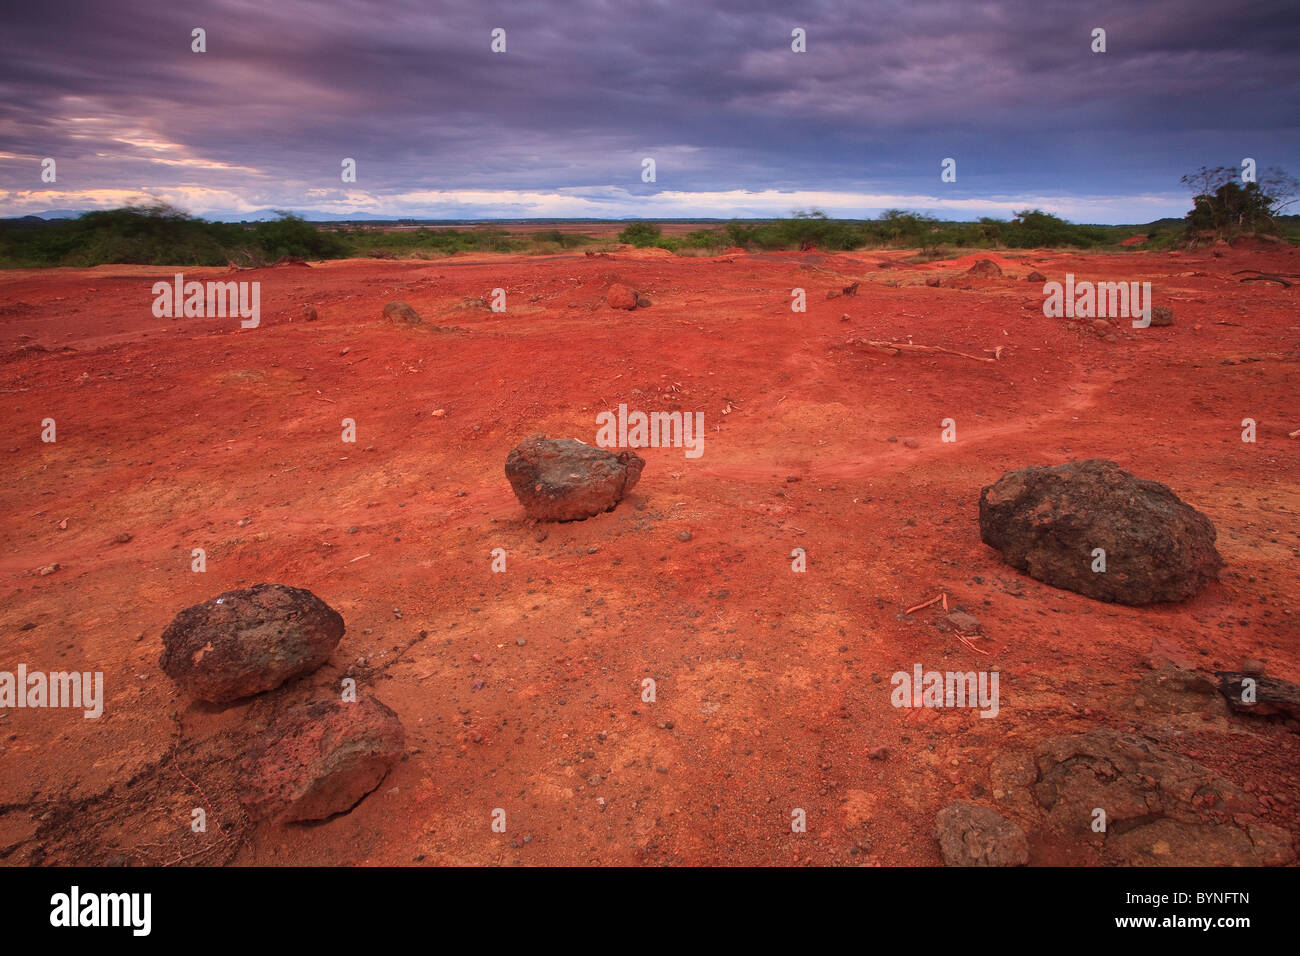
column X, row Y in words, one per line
column 894, row 348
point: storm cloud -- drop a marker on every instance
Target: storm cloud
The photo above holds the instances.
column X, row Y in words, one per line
column 558, row 125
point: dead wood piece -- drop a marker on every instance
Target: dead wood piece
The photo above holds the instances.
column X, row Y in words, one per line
column 894, row 348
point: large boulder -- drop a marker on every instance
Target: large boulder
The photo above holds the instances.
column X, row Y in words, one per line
column 319, row 759
column 560, row 479
column 244, row 642
column 970, row 835
column 1047, row 521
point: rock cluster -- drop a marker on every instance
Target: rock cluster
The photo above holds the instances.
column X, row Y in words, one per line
column 315, row 759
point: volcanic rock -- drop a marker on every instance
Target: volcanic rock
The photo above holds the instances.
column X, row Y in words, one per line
column 1047, row 521
column 566, row 480
column 319, row 759
column 1176, row 690
column 1272, row 694
column 977, row 836
column 1162, row 315
column 985, row 267
column 620, row 297
column 1161, row 808
column 244, row 642
column 401, row 314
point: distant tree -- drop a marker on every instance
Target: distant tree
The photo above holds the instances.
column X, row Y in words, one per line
column 1222, row 203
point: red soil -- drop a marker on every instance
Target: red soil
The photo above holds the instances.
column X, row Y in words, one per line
column 176, row 431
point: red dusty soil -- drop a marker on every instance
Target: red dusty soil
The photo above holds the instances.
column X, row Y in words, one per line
column 772, row 686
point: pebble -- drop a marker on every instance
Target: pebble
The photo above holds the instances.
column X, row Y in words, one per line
column 520, row 641
column 683, row 536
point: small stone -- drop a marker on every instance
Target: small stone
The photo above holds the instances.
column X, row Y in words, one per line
column 1253, row 667
column 50, row 569
column 520, row 641
column 683, row 536
column 1162, row 315
column 878, row 753
column 963, row 622
column 122, row 538
column 911, row 443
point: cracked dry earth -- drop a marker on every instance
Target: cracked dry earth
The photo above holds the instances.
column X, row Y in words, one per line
column 772, row 687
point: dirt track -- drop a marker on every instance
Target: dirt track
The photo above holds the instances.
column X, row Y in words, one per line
column 772, row 686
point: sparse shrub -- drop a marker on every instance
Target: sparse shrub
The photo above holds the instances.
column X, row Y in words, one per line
column 641, row 234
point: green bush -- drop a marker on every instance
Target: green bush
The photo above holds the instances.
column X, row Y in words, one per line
column 641, row 234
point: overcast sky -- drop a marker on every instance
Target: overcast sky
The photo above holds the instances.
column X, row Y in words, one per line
column 558, row 125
